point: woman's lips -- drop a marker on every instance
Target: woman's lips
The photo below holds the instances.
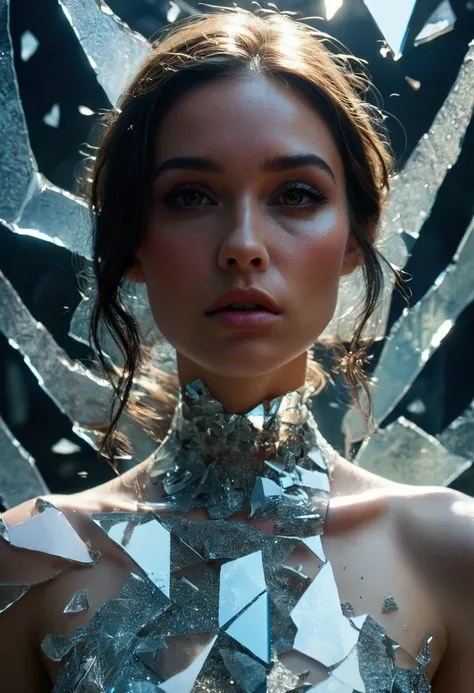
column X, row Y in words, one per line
column 257, row 318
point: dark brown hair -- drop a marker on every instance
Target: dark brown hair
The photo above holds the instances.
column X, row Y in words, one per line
column 194, row 52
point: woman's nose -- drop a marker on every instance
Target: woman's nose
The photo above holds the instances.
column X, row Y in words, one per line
column 244, row 246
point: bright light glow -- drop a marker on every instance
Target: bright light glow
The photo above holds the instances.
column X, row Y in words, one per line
column 332, row 6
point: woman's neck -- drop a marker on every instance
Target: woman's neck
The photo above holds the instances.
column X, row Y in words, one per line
column 239, row 395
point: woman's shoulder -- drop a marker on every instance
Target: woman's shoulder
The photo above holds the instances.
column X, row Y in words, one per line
column 49, row 551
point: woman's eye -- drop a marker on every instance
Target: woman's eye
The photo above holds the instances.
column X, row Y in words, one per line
column 300, row 195
column 187, row 197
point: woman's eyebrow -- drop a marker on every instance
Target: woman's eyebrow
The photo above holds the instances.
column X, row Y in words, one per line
column 289, row 161
column 189, row 163
column 273, row 165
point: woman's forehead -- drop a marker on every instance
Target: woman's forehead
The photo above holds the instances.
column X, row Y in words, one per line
column 256, row 117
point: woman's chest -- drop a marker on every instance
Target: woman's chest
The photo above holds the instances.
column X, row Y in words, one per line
column 231, row 604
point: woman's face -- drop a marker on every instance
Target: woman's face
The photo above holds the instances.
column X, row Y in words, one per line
column 249, row 193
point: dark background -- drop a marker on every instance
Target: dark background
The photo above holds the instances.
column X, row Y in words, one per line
column 45, row 276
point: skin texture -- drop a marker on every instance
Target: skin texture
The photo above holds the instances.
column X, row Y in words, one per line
column 240, row 227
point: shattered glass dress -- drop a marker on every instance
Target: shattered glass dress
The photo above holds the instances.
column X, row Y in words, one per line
column 212, row 606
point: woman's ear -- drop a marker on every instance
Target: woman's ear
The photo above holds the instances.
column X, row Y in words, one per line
column 352, row 254
column 136, row 273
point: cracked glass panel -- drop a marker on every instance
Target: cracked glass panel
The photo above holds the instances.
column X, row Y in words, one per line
column 405, row 453
column 416, row 335
column 20, row 480
column 114, row 51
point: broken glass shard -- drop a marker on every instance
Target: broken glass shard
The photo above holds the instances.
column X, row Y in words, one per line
column 185, row 680
column 80, row 393
column 56, row 647
column 404, row 453
column 145, row 540
column 324, row 633
column 240, row 582
column 439, row 22
column 114, row 51
column 50, row 532
column 245, row 671
column 29, row 45
column 79, row 602
column 458, row 437
column 316, row 546
column 252, row 628
column 17, row 168
column 393, row 20
column 53, row 116
column 348, row 672
column 20, row 479
column 410, row 202
column 11, row 593
column 416, row 335
column 389, row 604
column 56, row 216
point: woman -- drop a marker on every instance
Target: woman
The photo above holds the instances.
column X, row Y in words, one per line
column 241, row 177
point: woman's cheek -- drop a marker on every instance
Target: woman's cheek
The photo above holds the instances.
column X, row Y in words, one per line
column 174, row 262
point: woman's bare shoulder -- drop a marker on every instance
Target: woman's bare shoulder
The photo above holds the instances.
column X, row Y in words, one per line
column 42, row 565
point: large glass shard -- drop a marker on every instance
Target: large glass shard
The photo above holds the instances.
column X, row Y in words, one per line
column 240, row 582
column 414, row 190
column 57, row 216
column 403, row 452
column 245, row 671
column 439, row 22
column 145, row 540
column 20, row 480
column 315, row 545
column 416, row 335
column 12, row 592
column 81, row 394
column 324, row 633
column 393, row 19
column 332, row 7
column 50, row 532
column 17, row 167
column 348, row 672
column 29, row 45
column 376, row 657
column 185, row 680
column 252, row 628
column 458, row 437
column 114, row 51
column 410, row 202
column 78, row 602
